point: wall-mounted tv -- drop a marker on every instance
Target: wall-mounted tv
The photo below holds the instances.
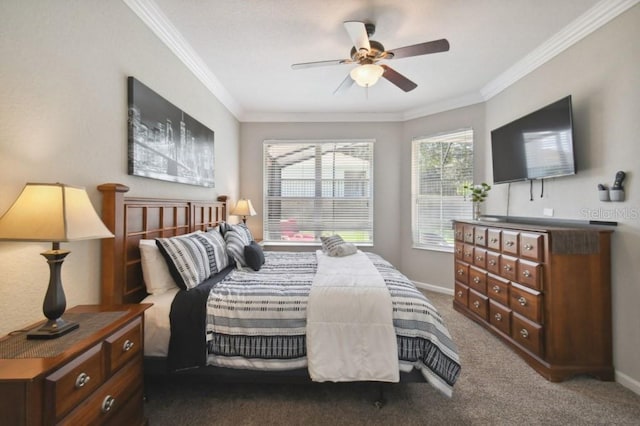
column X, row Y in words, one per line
column 536, row 146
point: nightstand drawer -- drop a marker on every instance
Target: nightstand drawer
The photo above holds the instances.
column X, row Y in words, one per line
column 74, row 382
column 124, row 345
column 106, row 401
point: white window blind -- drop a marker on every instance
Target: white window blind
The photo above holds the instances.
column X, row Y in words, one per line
column 318, row 188
column 440, row 166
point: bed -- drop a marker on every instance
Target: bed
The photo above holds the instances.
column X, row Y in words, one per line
column 425, row 351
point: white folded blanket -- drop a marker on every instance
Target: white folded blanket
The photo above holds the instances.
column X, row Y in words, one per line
column 350, row 333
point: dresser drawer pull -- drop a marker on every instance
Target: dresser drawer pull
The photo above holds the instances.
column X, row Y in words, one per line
column 507, row 267
column 458, row 251
column 509, row 243
column 479, row 238
column 476, row 280
column 460, row 272
column 107, row 403
column 494, row 240
column 528, row 246
column 82, row 380
column 469, row 235
column 458, row 233
column 522, row 301
column 459, row 293
column 496, row 289
column 498, row 316
column 480, row 258
column 127, row 346
column 526, row 274
column 492, row 262
column 476, row 304
column 524, row 333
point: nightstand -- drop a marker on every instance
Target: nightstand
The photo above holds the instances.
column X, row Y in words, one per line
column 92, row 375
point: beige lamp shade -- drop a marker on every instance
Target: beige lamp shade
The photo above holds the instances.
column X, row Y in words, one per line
column 52, row 212
column 367, row 75
column 243, row 208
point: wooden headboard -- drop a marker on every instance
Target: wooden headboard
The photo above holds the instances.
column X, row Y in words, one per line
column 132, row 219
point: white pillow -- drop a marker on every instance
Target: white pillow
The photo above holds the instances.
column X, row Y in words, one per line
column 155, row 272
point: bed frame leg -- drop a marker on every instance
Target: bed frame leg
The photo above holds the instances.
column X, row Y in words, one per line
column 379, row 402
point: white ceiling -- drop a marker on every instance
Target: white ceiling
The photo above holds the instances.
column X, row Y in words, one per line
column 243, row 50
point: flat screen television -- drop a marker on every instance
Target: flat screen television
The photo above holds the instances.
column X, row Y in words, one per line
column 536, row 146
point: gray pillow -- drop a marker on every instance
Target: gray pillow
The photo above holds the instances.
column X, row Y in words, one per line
column 254, row 256
column 335, row 246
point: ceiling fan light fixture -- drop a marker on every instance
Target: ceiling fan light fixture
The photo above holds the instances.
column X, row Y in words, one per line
column 367, row 75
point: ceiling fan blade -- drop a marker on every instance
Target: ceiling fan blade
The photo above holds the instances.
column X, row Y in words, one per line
column 398, row 79
column 344, row 86
column 321, row 63
column 434, row 46
column 358, row 34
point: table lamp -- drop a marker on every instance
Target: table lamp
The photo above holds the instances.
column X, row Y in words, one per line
column 52, row 212
column 243, row 208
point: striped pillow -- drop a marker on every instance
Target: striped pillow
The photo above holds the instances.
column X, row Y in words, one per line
column 335, row 246
column 242, row 229
column 236, row 241
column 193, row 258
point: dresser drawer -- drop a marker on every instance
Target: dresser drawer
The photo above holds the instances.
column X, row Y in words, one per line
column 468, row 234
column 478, row 279
column 526, row 302
column 462, row 272
column 69, row 385
column 494, row 239
column 458, row 250
column 478, row 304
column 461, row 293
column 498, row 289
column 467, row 253
column 500, row 317
column 508, row 267
column 105, row 402
column 124, row 345
column 530, row 274
column 480, row 236
column 480, row 257
column 510, row 242
column 493, row 262
column 531, row 246
column 528, row 334
column 459, row 232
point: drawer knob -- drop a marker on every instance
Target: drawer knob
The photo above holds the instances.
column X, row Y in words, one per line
column 460, row 272
column 127, row 346
column 82, row 380
column 479, row 258
column 509, row 243
column 494, row 240
column 476, row 304
column 459, row 293
column 507, row 267
column 458, row 233
column 526, row 274
column 492, row 262
column 479, row 238
column 469, row 234
column 476, row 280
column 496, row 289
column 524, row 333
column 528, row 246
column 107, row 403
column 498, row 316
column 458, row 251
column 522, row 301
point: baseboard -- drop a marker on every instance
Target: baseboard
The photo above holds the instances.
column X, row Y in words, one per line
column 434, row 288
column 629, row 383
column 626, row 381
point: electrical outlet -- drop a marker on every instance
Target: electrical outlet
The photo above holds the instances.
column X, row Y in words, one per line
column 547, row 212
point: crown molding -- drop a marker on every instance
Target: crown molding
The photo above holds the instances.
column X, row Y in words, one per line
column 152, row 16
column 591, row 20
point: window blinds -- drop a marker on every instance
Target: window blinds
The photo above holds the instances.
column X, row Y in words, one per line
column 441, row 166
column 318, row 188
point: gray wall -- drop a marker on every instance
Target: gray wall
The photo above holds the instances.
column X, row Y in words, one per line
column 63, row 118
column 602, row 73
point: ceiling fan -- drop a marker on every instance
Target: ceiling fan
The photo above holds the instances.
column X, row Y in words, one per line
column 366, row 53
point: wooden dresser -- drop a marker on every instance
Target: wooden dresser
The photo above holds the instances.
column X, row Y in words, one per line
column 545, row 291
column 92, row 375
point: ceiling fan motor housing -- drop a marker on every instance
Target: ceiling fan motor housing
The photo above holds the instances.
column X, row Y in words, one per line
column 376, row 52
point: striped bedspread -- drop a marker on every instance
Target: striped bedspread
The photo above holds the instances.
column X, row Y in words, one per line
column 257, row 320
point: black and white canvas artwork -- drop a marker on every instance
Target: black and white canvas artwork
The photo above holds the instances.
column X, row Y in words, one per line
column 166, row 143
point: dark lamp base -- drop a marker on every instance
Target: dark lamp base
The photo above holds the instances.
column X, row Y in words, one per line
column 53, row 329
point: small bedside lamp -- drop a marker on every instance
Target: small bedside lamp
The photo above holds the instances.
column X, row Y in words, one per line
column 52, row 212
column 243, row 208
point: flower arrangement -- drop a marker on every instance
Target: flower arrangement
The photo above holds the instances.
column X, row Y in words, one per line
column 478, row 194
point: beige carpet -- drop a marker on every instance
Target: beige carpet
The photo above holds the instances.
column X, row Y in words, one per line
column 495, row 388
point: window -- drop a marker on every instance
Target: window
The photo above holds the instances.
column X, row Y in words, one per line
column 440, row 166
column 318, row 188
